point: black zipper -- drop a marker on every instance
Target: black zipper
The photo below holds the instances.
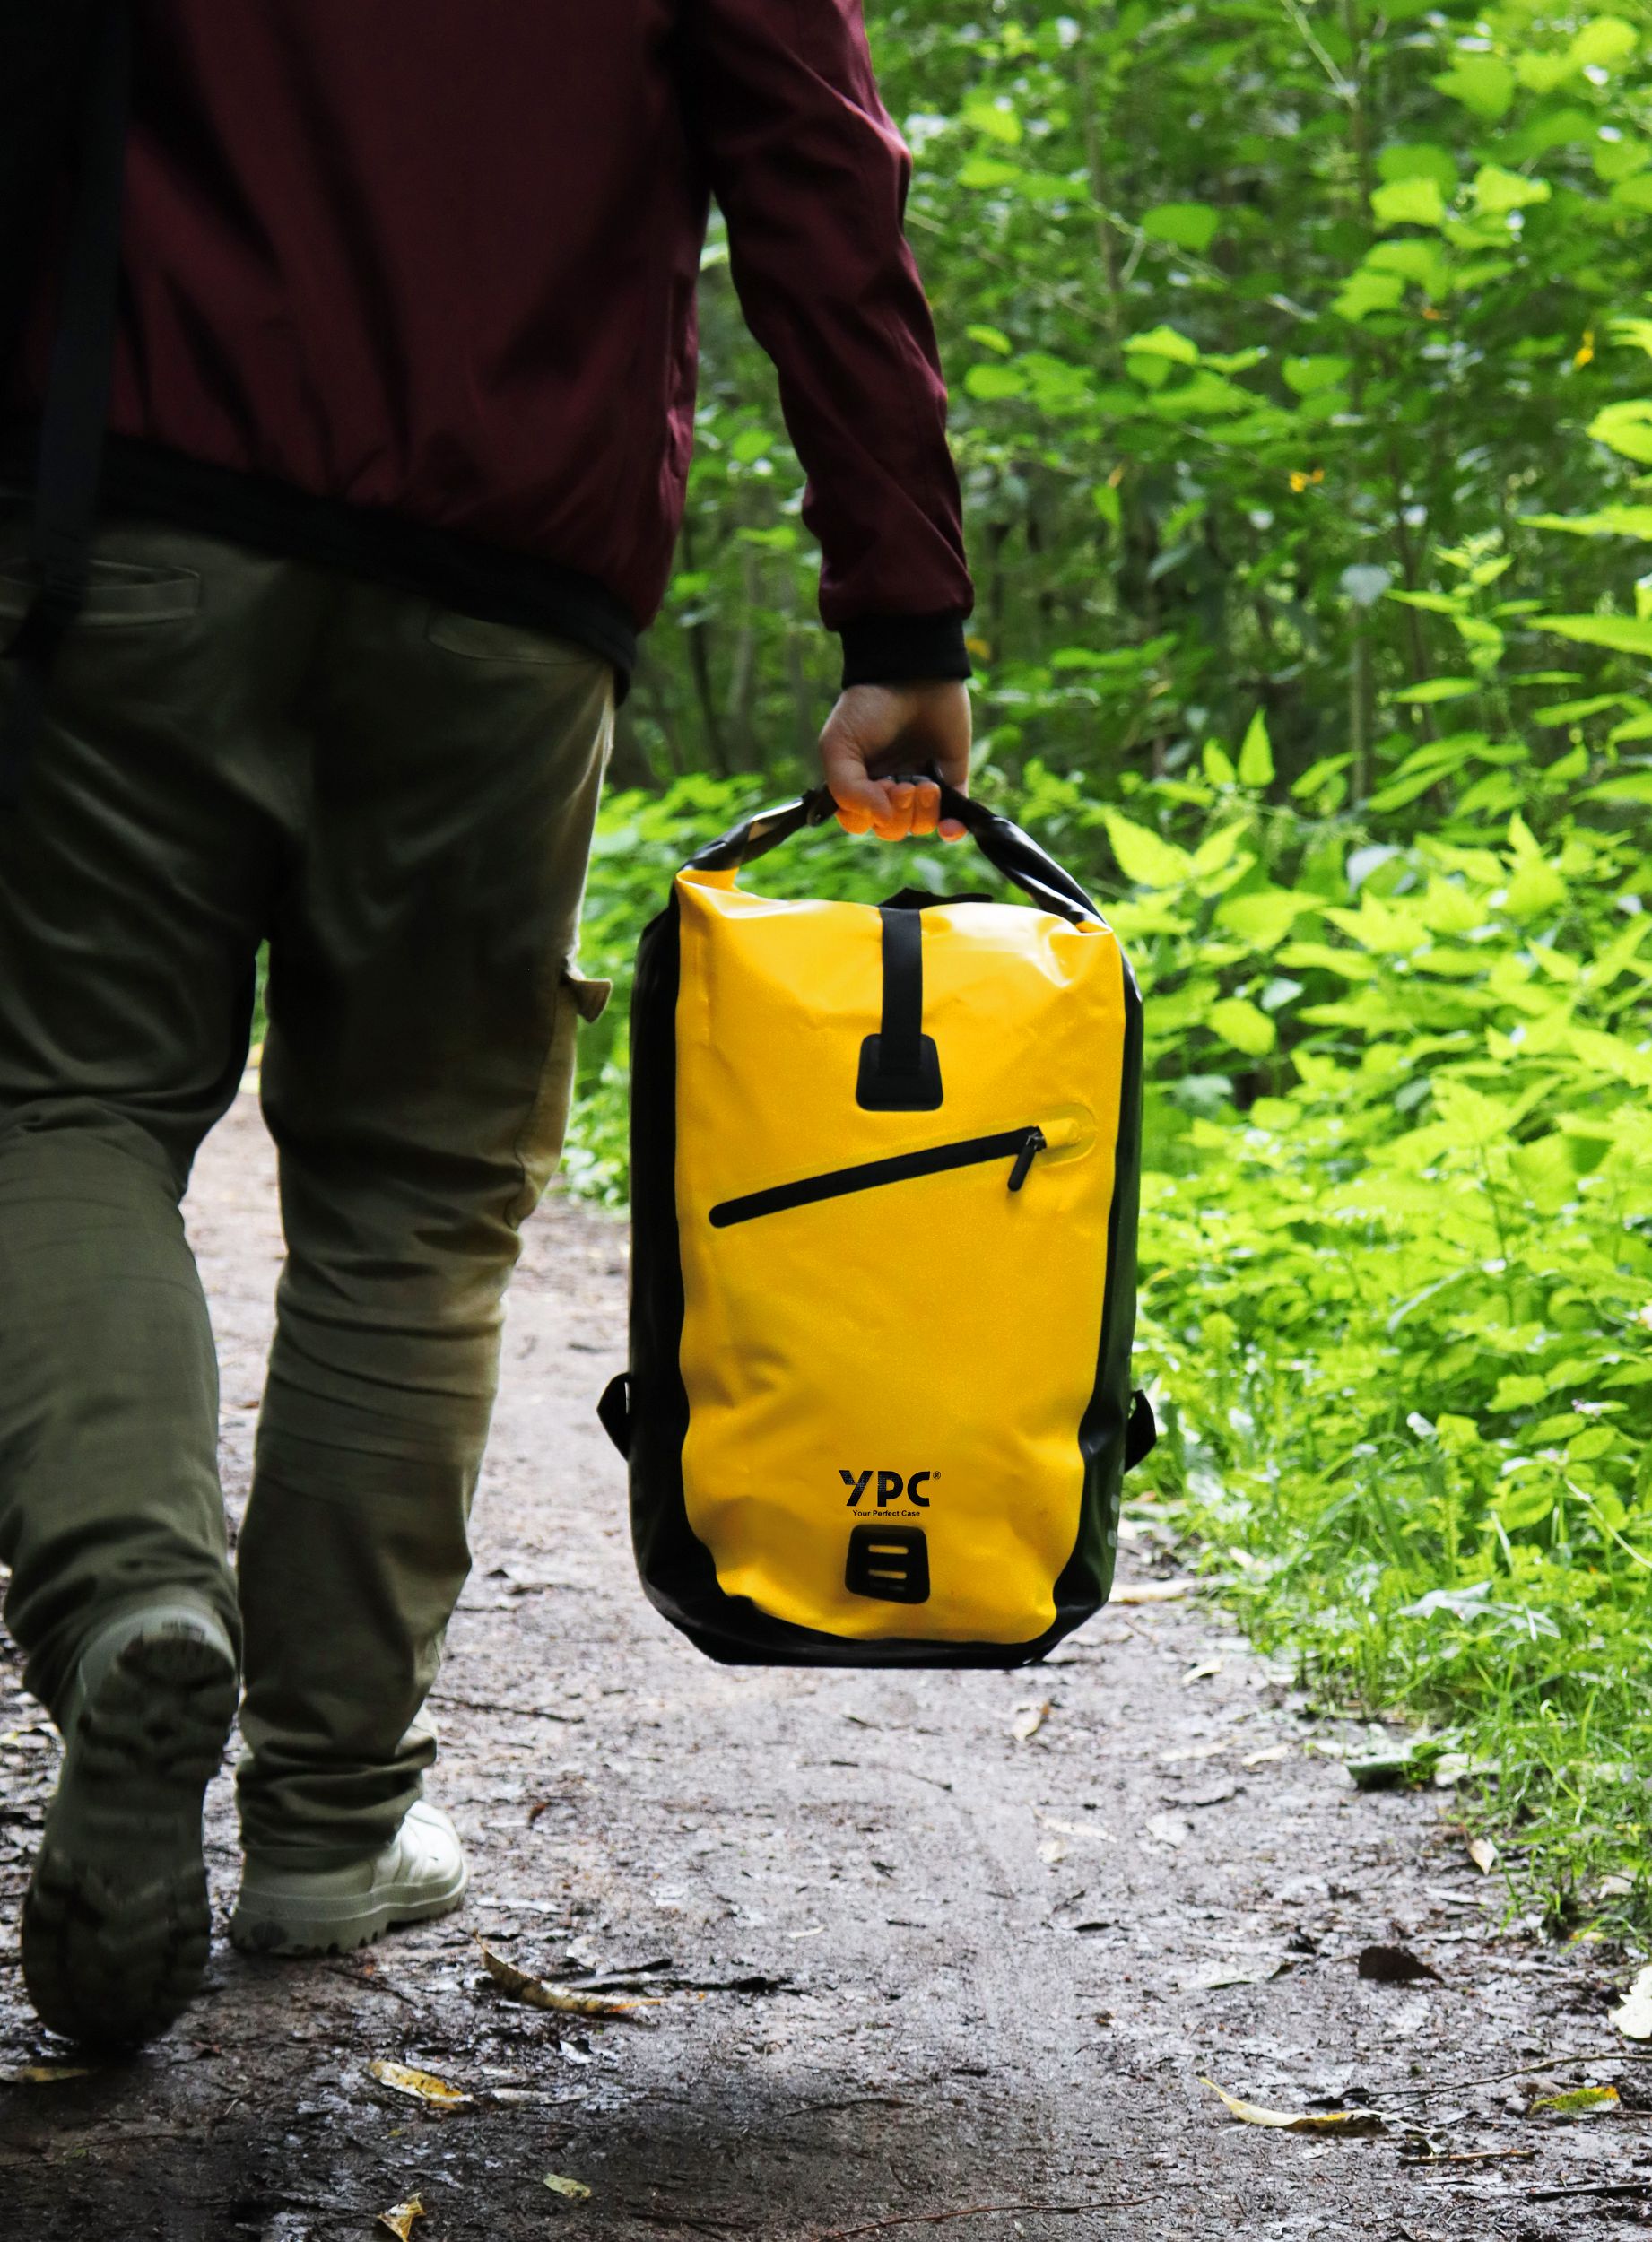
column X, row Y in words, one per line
column 1020, row 1145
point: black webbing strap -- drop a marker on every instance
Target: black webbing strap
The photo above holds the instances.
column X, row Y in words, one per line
column 77, row 397
column 902, row 1030
column 900, row 1066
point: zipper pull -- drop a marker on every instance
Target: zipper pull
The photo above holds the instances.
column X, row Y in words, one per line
column 1034, row 1143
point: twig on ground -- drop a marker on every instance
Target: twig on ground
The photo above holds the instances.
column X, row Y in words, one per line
column 1534, row 2067
column 1475, row 2156
column 989, row 2211
column 516, row 1712
column 1588, row 2188
column 373, row 1983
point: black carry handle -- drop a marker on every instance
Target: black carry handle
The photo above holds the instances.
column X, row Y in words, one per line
column 1006, row 848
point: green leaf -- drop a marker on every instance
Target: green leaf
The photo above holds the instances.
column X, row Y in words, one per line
column 1244, row 1025
column 1607, row 40
column 1497, row 191
column 1626, row 427
column 991, row 339
column 1163, row 341
column 1439, row 689
column 989, row 381
column 1305, row 375
column 1519, row 1389
column 1527, row 1503
column 1619, row 159
column 1482, row 82
column 1636, row 788
column 1421, row 160
column 1611, row 521
column 1187, row 225
column 995, row 118
column 1417, row 201
column 1144, row 857
column 984, row 171
column 1366, row 292
column 1623, row 634
column 1413, row 259
column 1255, row 756
column 1263, row 918
column 1536, row 891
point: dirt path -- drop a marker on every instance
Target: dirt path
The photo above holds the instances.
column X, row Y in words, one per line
column 915, row 1958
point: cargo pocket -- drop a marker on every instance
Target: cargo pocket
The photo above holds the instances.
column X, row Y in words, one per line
column 540, row 1145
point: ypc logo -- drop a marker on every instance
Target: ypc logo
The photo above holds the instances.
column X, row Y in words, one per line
column 891, row 1487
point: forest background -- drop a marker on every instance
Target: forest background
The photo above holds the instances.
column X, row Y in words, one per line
column 1299, row 357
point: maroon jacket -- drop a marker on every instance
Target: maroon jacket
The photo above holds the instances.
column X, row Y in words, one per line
column 409, row 286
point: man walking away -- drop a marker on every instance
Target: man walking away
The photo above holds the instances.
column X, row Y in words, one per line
column 400, row 425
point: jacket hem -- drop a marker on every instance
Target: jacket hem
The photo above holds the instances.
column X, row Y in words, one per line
column 490, row 582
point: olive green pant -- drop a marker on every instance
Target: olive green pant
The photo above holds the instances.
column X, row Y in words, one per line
column 399, row 801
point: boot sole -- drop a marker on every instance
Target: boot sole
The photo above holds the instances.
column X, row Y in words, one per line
column 289, row 1932
column 116, row 1926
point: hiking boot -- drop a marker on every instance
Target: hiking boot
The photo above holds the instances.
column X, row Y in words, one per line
column 115, row 1925
column 419, row 1874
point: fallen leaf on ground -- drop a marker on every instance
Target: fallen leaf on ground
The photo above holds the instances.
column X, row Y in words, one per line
column 1215, row 1975
column 1578, row 2101
column 398, row 2219
column 576, row 2191
column 1152, row 1591
column 1349, row 2123
column 1029, row 1719
column 1211, row 1794
column 1633, row 2017
column 1484, row 1855
column 1382, row 1769
column 1202, row 1671
column 1167, row 1828
column 522, row 1985
column 43, row 2073
column 1394, row 1966
column 1273, row 1752
column 423, row 2086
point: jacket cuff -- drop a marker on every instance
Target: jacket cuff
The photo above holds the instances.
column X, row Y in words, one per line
column 901, row 649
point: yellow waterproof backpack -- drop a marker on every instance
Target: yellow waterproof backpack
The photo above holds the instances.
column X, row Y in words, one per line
column 885, row 1164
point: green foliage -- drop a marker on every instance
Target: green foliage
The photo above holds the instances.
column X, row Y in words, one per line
column 1297, row 355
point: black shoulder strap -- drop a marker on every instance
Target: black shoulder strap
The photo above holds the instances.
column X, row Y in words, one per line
column 77, row 397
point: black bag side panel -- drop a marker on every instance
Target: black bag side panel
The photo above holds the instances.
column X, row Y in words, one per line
column 672, row 1562
column 1086, row 1580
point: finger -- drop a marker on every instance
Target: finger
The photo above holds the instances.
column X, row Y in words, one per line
column 952, row 830
column 896, row 823
column 925, row 809
column 861, row 801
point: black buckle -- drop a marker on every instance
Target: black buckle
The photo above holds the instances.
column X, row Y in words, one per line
column 890, row 1563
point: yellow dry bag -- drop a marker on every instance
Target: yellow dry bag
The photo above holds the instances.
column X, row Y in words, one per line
column 885, row 1165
